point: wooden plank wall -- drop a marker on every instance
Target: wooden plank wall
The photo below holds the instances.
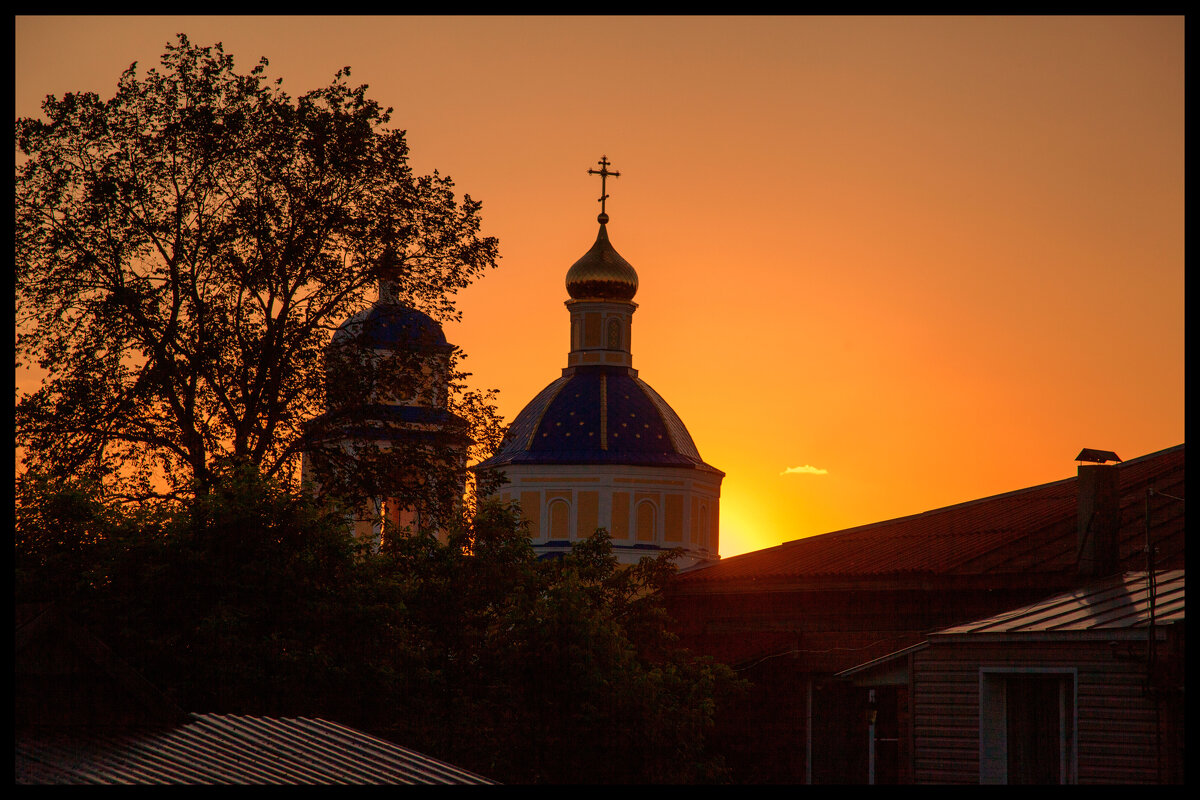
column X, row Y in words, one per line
column 1116, row 719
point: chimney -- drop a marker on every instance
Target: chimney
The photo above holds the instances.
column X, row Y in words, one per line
column 1099, row 514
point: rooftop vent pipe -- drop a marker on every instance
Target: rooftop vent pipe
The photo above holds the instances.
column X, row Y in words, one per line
column 1098, row 521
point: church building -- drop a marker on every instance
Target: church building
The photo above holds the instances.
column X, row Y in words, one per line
column 387, row 435
column 598, row 447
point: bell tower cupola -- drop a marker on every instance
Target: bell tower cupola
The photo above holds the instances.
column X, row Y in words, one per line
column 601, row 286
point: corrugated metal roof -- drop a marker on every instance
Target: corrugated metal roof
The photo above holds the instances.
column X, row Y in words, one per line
column 1025, row 531
column 1119, row 602
column 227, row 749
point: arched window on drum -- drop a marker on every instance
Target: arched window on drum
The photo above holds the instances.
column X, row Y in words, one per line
column 560, row 519
column 647, row 521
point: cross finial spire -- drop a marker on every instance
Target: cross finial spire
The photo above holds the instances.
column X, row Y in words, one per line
column 604, row 175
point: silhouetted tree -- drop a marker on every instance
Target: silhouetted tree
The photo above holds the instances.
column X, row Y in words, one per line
column 472, row 650
column 183, row 252
column 62, row 534
column 547, row 671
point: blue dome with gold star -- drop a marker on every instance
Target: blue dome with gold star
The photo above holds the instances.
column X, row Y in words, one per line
column 391, row 326
column 597, row 415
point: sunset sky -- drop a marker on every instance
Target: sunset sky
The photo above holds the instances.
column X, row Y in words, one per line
column 886, row 264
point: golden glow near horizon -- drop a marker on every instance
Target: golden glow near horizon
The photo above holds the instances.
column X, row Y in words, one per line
column 886, row 263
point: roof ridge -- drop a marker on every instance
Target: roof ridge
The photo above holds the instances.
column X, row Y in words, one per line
column 1027, row 529
column 976, row 501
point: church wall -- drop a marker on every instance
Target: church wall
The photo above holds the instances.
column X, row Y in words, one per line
column 558, row 513
column 591, row 329
column 659, row 507
column 589, row 512
column 531, row 512
column 694, row 522
column 646, row 517
column 673, row 519
column 619, row 523
column 710, row 539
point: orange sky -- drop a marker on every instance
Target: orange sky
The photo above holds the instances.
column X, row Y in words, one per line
column 934, row 257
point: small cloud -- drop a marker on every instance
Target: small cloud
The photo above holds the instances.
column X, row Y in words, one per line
column 805, row 470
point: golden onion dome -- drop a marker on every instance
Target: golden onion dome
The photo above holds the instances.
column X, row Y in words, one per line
column 601, row 274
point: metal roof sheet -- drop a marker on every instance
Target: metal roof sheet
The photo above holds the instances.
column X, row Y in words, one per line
column 1026, row 531
column 1119, row 602
column 227, row 749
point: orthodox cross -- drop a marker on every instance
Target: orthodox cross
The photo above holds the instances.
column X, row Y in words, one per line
column 603, row 173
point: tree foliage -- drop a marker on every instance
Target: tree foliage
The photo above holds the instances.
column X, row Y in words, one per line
column 373, row 444
column 471, row 650
column 183, row 252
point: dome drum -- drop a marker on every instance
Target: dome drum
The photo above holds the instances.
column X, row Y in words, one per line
column 601, row 333
column 645, row 510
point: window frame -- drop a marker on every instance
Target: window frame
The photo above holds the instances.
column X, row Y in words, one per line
column 993, row 722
